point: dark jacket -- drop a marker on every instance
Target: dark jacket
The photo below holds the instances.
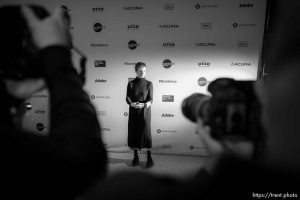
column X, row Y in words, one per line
column 63, row 164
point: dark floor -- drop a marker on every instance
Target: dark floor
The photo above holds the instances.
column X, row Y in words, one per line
column 173, row 165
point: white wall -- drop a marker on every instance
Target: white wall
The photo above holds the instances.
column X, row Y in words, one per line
column 229, row 50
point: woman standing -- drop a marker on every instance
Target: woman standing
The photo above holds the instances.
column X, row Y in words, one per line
column 139, row 97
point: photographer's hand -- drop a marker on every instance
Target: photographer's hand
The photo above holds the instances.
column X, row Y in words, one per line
column 24, row 89
column 215, row 147
column 53, row 30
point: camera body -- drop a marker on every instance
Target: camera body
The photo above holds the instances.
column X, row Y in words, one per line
column 19, row 59
column 232, row 110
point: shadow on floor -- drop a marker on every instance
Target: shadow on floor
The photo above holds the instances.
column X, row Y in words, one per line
column 142, row 164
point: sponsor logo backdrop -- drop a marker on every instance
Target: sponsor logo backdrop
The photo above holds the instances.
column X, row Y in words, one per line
column 185, row 44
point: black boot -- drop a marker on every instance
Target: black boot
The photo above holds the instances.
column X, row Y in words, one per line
column 150, row 162
column 135, row 161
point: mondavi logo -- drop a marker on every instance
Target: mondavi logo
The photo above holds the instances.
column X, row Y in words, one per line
column 167, row 81
column 167, row 98
column 167, row 115
column 99, row 45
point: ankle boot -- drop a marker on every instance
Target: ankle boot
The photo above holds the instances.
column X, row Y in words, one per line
column 135, row 161
column 150, row 162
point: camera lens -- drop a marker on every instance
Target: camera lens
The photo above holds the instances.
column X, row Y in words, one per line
column 193, row 106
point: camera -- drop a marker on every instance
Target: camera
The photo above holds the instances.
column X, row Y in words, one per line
column 18, row 59
column 232, row 110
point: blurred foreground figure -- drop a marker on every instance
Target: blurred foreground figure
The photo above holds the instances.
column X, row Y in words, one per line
column 67, row 161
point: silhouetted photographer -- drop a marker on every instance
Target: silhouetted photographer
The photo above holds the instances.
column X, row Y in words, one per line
column 35, row 53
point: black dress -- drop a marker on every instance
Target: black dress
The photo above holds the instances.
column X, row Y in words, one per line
column 139, row 123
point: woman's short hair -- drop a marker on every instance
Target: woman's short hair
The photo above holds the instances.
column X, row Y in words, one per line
column 139, row 65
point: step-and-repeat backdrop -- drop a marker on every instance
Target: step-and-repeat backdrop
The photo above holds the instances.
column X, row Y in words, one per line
column 185, row 44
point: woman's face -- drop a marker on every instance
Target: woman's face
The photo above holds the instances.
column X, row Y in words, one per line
column 141, row 72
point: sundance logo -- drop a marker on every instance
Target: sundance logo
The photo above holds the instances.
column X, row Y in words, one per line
column 203, row 81
column 167, row 98
column 100, row 81
column 204, row 64
column 243, row 44
column 98, row 27
column 98, row 9
column 40, row 127
column 168, row 26
column 206, row 26
column 125, row 114
column 167, row 115
column 241, row 64
column 132, row 45
column 167, row 81
column 133, row 26
column 100, row 63
column 169, row 44
column 167, row 63
column 130, row 8
column 205, row 44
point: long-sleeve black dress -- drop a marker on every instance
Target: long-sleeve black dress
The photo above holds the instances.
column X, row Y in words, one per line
column 139, row 123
